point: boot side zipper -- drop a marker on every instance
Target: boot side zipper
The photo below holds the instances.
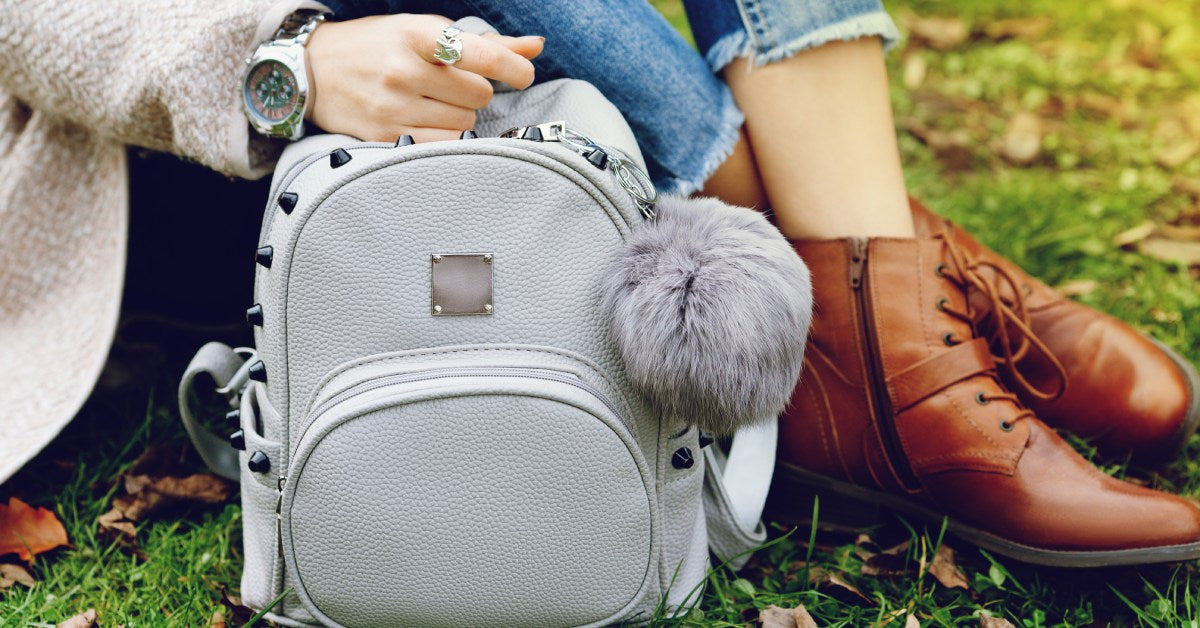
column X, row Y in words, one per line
column 881, row 404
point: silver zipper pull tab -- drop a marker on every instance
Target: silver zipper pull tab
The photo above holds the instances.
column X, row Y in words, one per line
column 548, row 131
column 279, row 515
column 629, row 174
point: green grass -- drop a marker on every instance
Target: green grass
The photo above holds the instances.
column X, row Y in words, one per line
column 172, row 575
column 1097, row 176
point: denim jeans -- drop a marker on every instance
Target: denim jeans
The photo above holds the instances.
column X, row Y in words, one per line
column 683, row 115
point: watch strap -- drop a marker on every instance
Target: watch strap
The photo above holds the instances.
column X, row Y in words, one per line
column 298, row 25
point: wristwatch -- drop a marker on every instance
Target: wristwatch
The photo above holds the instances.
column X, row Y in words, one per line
column 275, row 90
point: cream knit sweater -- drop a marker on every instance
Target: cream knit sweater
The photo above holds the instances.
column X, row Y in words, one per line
column 79, row 81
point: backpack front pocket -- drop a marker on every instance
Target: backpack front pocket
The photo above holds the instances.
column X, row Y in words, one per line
column 461, row 496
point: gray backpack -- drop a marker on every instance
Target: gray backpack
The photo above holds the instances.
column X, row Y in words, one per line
column 438, row 425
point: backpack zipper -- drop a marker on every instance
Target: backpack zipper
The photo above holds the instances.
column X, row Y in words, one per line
column 881, row 405
column 629, row 175
column 420, row 376
column 632, row 179
column 462, row 371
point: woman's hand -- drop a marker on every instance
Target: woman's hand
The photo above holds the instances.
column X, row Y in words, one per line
column 375, row 78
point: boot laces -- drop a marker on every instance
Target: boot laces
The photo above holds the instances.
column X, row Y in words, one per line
column 1008, row 316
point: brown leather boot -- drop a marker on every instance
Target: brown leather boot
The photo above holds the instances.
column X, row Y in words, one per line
column 1126, row 391
column 900, row 404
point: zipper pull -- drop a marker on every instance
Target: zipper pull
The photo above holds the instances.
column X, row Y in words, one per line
column 279, row 516
column 630, row 176
column 858, row 259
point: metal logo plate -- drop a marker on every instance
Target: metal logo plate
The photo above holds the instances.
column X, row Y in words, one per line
column 461, row 284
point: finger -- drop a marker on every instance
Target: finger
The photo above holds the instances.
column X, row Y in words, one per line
column 528, row 46
column 428, row 112
column 485, row 57
column 456, row 87
column 421, row 135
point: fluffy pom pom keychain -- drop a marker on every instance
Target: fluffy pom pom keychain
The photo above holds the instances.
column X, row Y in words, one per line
column 710, row 307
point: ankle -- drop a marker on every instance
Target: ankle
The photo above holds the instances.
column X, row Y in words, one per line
column 881, row 227
column 848, row 215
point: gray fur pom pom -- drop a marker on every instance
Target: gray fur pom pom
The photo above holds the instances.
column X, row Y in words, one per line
column 710, row 307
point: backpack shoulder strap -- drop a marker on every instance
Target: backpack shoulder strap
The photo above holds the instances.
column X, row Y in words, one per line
column 735, row 491
column 228, row 371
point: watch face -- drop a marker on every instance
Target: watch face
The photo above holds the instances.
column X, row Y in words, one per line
column 271, row 91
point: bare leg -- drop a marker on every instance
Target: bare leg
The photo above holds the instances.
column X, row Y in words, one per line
column 820, row 124
column 736, row 181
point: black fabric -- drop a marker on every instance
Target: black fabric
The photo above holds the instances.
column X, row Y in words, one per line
column 189, row 275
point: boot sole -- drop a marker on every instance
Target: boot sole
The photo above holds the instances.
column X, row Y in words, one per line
column 1192, row 419
column 850, row 507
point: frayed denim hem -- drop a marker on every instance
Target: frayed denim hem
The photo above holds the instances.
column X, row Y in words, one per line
column 721, row 148
column 871, row 24
column 728, row 48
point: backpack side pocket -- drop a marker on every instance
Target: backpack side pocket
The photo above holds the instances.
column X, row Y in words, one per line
column 261, row 464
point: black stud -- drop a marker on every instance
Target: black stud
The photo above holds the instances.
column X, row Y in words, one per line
column 287, row 201
column 468, row 135
column 265, row 255
column 706, row 439
column 258, row 372
column 254, row 315
column 259, row 462
column 532, row 133
column 597, row 158
column 233, row 418
column 405, row 140
column 682, row 459
column 339, row 158
column 237, row 440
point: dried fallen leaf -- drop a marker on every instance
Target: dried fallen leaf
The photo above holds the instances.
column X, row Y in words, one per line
column 886, row 563
column 1178, row 251
column 1186, row 185
column 1134, row 235
column 1022, row 140
column 115, row 520
column 86, row 619
column 1176, row 154
column 912, row 622
column 1021, row 28
column 1103, row 104
column 803, row 619
column 944, row 567
column 915, row 68
column 776, row 617
column 1188, row 111
column 27, row 531
column 1147, row 45
column 865, row 547
column 234, row 609
column 1077, row 287
column 994, row 622
column 217, row 620
column 834, row 584
column 1161, row 316
column 887, row 618
column 941, row 33
column 952, row 149
column 146, row 495
column 11, row 574
column 1175, row 232
column 898, row 549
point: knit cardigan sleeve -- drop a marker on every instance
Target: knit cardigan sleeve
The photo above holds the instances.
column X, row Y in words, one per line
column 163, row 74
